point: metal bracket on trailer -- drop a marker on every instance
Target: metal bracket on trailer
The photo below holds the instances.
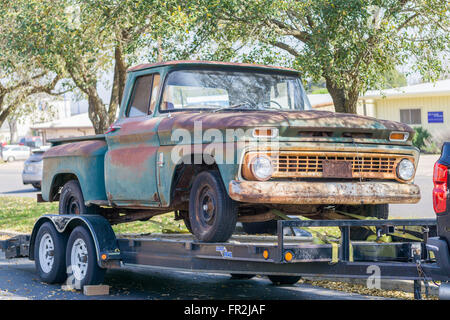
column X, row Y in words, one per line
column 345, row 249
column 108, row 253
column 16, row 246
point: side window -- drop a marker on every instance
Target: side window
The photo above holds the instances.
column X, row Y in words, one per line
column 140, row 100
column 155, row 90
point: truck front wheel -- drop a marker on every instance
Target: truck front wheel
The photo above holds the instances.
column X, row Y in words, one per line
column 212, row 213
column 71, row 200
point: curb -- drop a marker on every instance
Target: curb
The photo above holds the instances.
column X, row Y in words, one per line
column 394, row 285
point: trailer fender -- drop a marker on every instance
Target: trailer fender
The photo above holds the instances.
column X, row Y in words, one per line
column 108, row 253
column 440, row 270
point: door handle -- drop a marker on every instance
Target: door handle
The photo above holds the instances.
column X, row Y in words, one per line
column 113, row 128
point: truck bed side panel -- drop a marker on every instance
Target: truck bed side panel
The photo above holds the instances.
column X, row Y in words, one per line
column 84, row 159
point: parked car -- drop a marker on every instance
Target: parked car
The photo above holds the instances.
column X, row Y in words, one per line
column 13, row 152
column 286, row 157
column 32, row 142
column 32, row 169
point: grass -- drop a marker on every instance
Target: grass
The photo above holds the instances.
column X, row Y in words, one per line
column 19, row 214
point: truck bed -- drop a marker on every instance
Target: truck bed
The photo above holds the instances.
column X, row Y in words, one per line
column 59, row 141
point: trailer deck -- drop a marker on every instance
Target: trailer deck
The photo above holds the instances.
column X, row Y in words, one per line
column 278, row 255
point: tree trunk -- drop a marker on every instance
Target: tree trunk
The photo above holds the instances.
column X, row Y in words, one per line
column 344, row 100
column 4, row 113
column 12, row 122
column 97, row 111
column 160, row 50
column 118, row 86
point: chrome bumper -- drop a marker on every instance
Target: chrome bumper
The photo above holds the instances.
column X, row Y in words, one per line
column 302, row 192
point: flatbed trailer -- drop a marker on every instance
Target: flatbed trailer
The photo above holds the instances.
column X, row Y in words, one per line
column 284, row 259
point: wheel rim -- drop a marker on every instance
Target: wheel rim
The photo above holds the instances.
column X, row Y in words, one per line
column 73, row 206
column 46, row 253
column 207, row 207
column 79, row 259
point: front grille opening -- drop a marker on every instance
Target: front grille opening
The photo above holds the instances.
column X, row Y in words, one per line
column 371, row 166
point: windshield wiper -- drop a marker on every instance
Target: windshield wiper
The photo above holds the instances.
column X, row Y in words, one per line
column 237, row 105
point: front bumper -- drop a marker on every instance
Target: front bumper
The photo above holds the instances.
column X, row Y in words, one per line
column 28, row 178
column 302, row 192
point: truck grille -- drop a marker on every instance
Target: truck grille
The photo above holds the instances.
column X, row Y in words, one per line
column 309, row 164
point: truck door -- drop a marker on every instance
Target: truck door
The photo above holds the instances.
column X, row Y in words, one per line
column 130, row 162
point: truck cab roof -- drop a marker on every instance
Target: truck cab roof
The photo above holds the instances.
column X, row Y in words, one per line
column 199, row 63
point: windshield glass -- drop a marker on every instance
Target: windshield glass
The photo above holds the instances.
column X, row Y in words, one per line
column 230, row 89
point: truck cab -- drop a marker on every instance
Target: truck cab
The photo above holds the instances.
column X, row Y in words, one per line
column 218, row 143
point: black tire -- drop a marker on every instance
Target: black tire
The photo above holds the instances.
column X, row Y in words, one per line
column 93, row 274
column 71, row 200
column 280, row 280
column 57, row 273
column 268, row 227
column 379, row 211
column 185, row 215
column 217, row 222
column 10, row 159
column 241, row 276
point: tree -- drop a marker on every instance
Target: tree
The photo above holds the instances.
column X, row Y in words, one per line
column 17, row 86
column 351, row 44
column 394, row 79
column 82, row 40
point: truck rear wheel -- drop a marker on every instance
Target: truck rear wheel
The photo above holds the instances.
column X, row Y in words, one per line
column 50, row 254
column 278, row 280
column 71, row 200
column 81, row 260
column 212, row 213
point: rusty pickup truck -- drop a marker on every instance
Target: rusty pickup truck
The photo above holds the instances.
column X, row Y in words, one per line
column 217, row 143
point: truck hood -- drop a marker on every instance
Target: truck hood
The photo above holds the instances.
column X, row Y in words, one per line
column 293, row 124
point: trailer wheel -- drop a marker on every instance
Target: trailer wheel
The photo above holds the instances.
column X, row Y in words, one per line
column 279, row 280
column 81, row 260
column 71, row 200
column 241, row 276
column 49, row 254
column 269, row 227
column 212, row 213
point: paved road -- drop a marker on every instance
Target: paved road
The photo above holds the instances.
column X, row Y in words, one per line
column 18, row 280
column 11, row 181
column 11, row 185
column 424, row 178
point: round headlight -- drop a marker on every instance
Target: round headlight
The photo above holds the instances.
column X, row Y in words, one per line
column 262, row 167
column 405, row 169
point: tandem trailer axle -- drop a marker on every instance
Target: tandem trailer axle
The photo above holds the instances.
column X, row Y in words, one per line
column 81, row 247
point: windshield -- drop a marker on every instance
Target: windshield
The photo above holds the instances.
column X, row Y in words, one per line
column 230, row 89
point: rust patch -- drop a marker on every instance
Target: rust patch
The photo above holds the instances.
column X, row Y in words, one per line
column 132, row 157
column 82, row 148
column 305, row 192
